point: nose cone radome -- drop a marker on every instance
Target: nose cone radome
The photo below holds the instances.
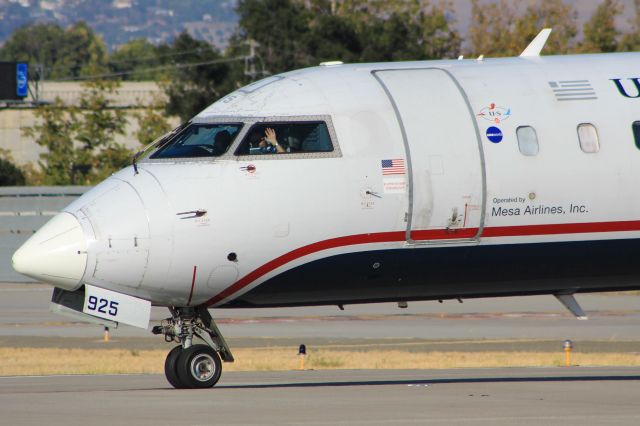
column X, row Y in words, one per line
column 56, row 254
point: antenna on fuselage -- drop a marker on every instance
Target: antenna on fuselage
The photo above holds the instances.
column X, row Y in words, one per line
column 535, row 47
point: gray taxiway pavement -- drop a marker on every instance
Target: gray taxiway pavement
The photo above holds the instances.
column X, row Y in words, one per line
column 575, row 396
column 24, row 312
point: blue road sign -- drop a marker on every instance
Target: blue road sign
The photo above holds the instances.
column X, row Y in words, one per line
column 22, row 86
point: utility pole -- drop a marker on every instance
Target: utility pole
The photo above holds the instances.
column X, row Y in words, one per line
column 250, row 62
column 39, row 76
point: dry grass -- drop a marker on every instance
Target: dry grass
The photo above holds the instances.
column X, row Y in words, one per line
column 36, row 361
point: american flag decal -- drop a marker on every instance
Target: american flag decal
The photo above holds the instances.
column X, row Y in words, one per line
column 393, row 167
column 573, row 90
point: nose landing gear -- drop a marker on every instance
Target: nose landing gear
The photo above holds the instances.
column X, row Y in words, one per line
column 190, row 366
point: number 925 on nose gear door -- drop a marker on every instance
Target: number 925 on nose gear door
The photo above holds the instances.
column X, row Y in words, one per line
column 116, row 307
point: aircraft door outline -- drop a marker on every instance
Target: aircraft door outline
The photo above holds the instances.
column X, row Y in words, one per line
column 442, row 207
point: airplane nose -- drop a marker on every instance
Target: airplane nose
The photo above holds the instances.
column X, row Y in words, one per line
column 56, row 254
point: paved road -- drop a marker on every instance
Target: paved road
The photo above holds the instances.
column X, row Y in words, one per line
column 24, row 312
column 576, row 396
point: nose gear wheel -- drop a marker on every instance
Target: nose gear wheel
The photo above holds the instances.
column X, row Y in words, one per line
column 198, row 366
column 191, row 365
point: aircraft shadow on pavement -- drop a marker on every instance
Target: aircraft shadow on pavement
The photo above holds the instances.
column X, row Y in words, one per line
column 433, row 381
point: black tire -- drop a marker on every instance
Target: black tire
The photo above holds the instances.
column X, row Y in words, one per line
column 199, row 366
column 171, row 368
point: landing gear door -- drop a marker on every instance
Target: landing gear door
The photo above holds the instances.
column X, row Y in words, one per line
column 445, row 167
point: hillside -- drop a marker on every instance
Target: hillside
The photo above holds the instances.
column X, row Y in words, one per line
column 118, row 21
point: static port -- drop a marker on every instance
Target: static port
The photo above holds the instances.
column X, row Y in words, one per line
column 232, row 257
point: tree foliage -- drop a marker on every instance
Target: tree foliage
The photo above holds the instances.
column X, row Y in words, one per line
column 498, row 30
column 331, row 37
column 66, row 53
column 97, row 129
column 10, row 174
column 138, row 60
column 152, row 123
column 36, row 44
column 279, row 26
column 193, row 88
column 295, row 34
column 409, row 33
column 80, row 141
column 54, row 131
column 630, row 41
column 600, row 33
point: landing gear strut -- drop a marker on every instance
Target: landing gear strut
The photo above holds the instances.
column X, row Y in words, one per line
column 189, row 365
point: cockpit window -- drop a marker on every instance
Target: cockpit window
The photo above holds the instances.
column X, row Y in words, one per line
column 199, row 140
column 283, row 138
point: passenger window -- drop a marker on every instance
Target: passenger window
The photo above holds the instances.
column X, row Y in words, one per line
column 283, row 138
column 636, row 132
column 199, row 140
column 527, row 140
column 588, row 137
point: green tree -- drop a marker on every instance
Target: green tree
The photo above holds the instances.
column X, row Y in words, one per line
column 55, row 131
column 97, row 129
column 440, row 39
column 554, row 14
column 280, row 27
column 192, row 88
column 83, row 53
column 409, row 31
column 10, row 174
column 295, row 34
column 498, row 30
column 135, row 57
column 630, row 41
column 600, row 33
column 365, row 10
column 63, row 53
column 393, row 39
column 332, row 37
column 490, row 29
column 80, row 141
column 36, row 44
column 152, row 123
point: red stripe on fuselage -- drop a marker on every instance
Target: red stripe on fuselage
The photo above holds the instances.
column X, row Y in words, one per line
column 443, row 234
column 424, row 235
column 381, row 237
column 563, row 228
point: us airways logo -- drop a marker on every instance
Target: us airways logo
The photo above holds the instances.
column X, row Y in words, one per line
column 629, row 88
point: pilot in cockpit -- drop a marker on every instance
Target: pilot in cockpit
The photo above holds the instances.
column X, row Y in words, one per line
column 267, row 144
column 221, row 143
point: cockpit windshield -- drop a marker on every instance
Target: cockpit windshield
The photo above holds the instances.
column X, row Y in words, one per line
column 200, row 140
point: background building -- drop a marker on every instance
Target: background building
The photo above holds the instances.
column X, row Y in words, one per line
column 131, row 96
